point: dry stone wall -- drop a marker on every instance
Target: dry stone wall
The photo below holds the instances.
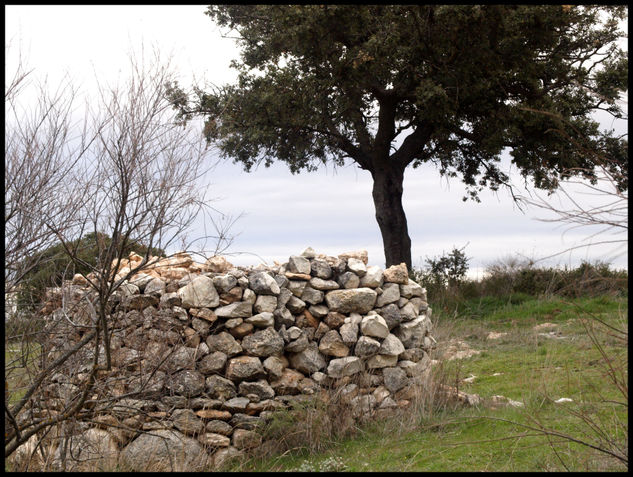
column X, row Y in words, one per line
column 203, row 354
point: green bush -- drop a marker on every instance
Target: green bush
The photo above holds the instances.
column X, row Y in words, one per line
column 512, row 281
column 55, row 265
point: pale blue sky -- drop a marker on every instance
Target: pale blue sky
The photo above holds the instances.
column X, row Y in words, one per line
column 329, row 210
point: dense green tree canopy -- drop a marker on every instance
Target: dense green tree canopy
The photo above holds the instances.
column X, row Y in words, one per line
column 391, row 86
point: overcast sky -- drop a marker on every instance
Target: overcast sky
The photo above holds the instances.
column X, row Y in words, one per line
column 330, row 210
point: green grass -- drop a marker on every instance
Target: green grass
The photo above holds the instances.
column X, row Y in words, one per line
column 535, row 370
column 19, row 368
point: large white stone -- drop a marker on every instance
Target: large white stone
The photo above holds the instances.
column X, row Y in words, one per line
column 374, row 325
column 412, row 333
column 347, row 366
column 299, row 265
column 263, row 343
column 331, row 344
column 240, row 309
column 357, row 266
column 170, row 451
column 199, row 293
column 265, row 303
column 263, row 284
column 320, row 284
column 411, row 289
column 349, row 333
column 366, row 346
column 390, row 294
column 391, row 346
column 373, row 277
column 357, row 300
column 397, row 274
column 381, row 361
column 262, row 320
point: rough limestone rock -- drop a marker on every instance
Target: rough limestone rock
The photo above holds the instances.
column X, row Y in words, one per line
column 200, row 293
column 348, row 280
column 212, row 363
column 92, row 448
column 245, row 368
column 318, row 311
column 320, row 284
column 260, row 388
column 299, row 265
column 169, row 300
column 217, row 264
column 408, row 312
column 220, row 388
column 127, row 288
column 349, row 333
column 216, row 426
column 391, row 345
column 357, row 254
column 265, row 303
column 224, row 283
column 263, row 284
column 214, row 440
column 390, row 294
column 296, row 287
column 412, row 333
column 236, row 404
column 395, row 378
column 309, row 360
column 262, row 320
column 188, row 383
column 156, row 286
column 374, row 325
column 381, row 361
column 320, row 269
column 397, row 274
column 391, row 315
column 358, row 300
column 312, row 296
column 240, row 309
column 356, row 266
column 341, row 367
column 264, row 343
column 373, row 277
column 225, row 343
column 298, row 345
column 331, row 344
column 411, row 289
column 288, row 383
column 366, row 346
column 243, row 439
column 140, row 302
column 170, row 451
column 295, row 305
column 187, row 422
column 274, row 366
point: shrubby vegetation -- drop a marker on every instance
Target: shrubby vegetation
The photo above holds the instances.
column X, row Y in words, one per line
column 55, row 264
column 514, row 280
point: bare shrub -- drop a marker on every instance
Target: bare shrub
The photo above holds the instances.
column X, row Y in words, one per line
column 137, row 181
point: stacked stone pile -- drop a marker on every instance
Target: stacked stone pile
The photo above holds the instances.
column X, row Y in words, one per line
column 203, row 354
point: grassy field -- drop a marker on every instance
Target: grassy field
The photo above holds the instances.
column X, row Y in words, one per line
column 529, row 364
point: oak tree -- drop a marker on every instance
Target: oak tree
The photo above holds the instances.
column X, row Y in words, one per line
column 391, row 87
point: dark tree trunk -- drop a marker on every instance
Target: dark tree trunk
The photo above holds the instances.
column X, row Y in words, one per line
column 387, row 194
